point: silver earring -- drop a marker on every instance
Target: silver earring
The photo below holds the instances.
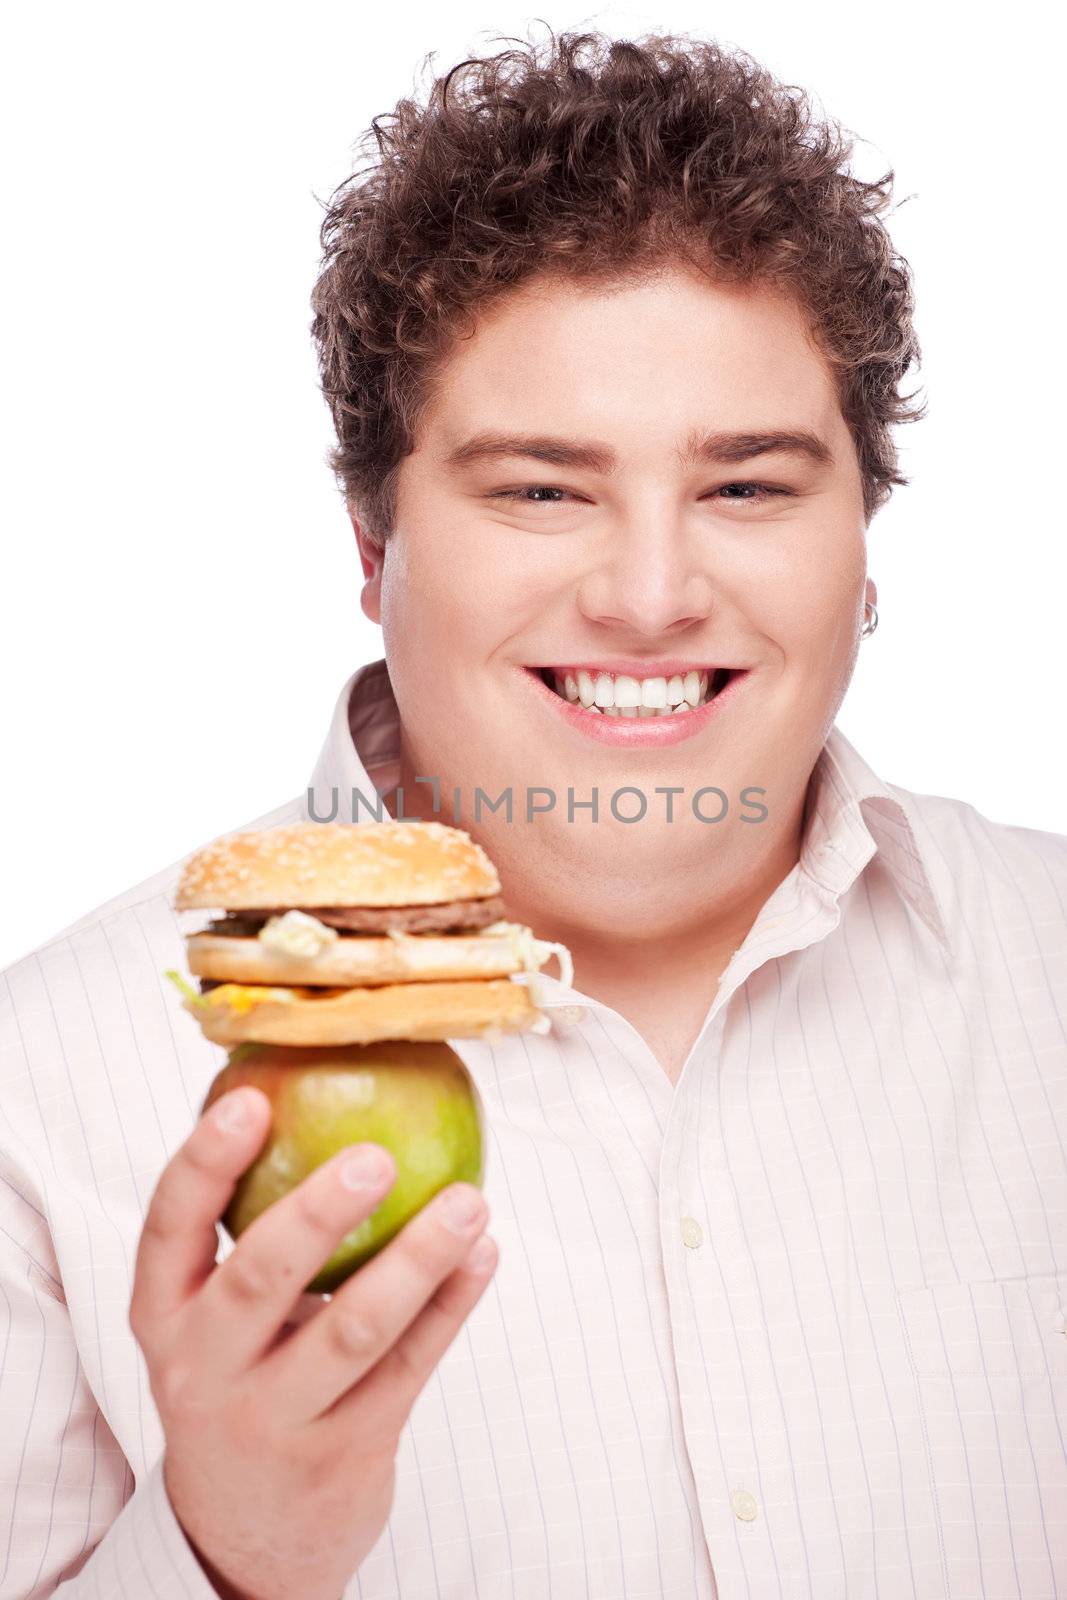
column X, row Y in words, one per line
column 872, row 621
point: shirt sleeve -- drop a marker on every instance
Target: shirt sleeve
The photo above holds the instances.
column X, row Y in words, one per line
column 73, row 1523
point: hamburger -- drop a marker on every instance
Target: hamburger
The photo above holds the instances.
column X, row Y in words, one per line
column 338, row 961
column 334, row 933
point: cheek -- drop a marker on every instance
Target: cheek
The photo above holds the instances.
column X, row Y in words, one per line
column 464, row 581
column 809, row 607
column 444, row 611
column 423, row 591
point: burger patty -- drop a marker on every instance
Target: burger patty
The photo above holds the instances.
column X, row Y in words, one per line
column 453, row 916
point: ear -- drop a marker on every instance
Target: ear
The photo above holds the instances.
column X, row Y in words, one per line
column 371, row 558
column 872, row 592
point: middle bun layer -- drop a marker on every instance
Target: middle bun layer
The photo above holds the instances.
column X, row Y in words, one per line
column 364, row 960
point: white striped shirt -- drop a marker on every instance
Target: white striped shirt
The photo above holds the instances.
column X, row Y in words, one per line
column 790, row 1329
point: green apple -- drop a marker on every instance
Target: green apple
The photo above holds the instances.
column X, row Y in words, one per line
column 417, row 1100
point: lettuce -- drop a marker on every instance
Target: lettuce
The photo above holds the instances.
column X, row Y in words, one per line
column 185, row 988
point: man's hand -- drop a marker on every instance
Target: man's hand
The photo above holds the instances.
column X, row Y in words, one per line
column 281, row 1445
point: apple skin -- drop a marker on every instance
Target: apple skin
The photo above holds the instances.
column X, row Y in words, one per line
column 417, row 1100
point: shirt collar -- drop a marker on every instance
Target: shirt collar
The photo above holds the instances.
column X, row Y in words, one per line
column 361, row 750
column 851, row 813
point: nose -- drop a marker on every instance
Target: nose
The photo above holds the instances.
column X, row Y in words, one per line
column 649, row 577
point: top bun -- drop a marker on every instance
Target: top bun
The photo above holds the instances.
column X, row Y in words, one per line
column 338, row 864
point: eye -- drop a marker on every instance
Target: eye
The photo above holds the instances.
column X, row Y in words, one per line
column 530, row 489
column 530, row 494
column 759, row 491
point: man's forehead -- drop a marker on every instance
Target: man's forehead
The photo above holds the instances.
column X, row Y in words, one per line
column 764, row 375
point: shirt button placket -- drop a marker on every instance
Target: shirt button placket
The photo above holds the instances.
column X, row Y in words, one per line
column 743, row 1504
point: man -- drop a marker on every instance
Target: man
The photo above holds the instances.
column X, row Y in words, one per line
column 612, row 342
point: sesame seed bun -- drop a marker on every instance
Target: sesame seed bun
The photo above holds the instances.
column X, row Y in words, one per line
column 234, row 1013
column 337, row 864
column 364, row 960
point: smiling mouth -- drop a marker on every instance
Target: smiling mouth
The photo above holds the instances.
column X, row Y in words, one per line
column 608, row 694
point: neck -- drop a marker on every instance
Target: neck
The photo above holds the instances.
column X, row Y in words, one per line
column 663, row 981
column 651, row 930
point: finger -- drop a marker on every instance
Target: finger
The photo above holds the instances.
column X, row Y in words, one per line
column 323, row 1359
column 179, row 1242
column 379, row 1406
column 251, row 1295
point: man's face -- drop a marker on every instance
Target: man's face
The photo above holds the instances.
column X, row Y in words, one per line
column 643, row 565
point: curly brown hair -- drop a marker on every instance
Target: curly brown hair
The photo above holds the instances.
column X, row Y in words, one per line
column 597, row 158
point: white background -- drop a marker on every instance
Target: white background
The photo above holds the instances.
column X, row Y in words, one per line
column 180, row 594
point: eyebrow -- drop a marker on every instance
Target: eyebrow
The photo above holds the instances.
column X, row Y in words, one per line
column 707, row 448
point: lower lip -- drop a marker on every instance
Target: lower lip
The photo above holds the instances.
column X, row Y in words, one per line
column 643, row 733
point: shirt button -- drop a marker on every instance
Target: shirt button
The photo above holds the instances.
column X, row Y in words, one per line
column 743, row 1505
column 692, row 1232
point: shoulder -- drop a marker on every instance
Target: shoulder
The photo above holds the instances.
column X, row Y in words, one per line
column 982, row 868
column 967, row 836
column 91, row 1005
column 164, row 882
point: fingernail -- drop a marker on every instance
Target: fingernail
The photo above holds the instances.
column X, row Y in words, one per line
column 459, row 1207
column 365, row 1170
column 232, row 1112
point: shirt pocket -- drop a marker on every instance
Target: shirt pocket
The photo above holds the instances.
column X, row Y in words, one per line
column 989, row 1361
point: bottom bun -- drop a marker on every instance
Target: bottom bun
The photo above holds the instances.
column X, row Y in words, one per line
column 234, row 1013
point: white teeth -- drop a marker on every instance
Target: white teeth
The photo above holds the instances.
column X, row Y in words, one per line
column 627, row 696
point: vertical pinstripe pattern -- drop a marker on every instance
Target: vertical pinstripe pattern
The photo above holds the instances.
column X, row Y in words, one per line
column 789, row 1330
